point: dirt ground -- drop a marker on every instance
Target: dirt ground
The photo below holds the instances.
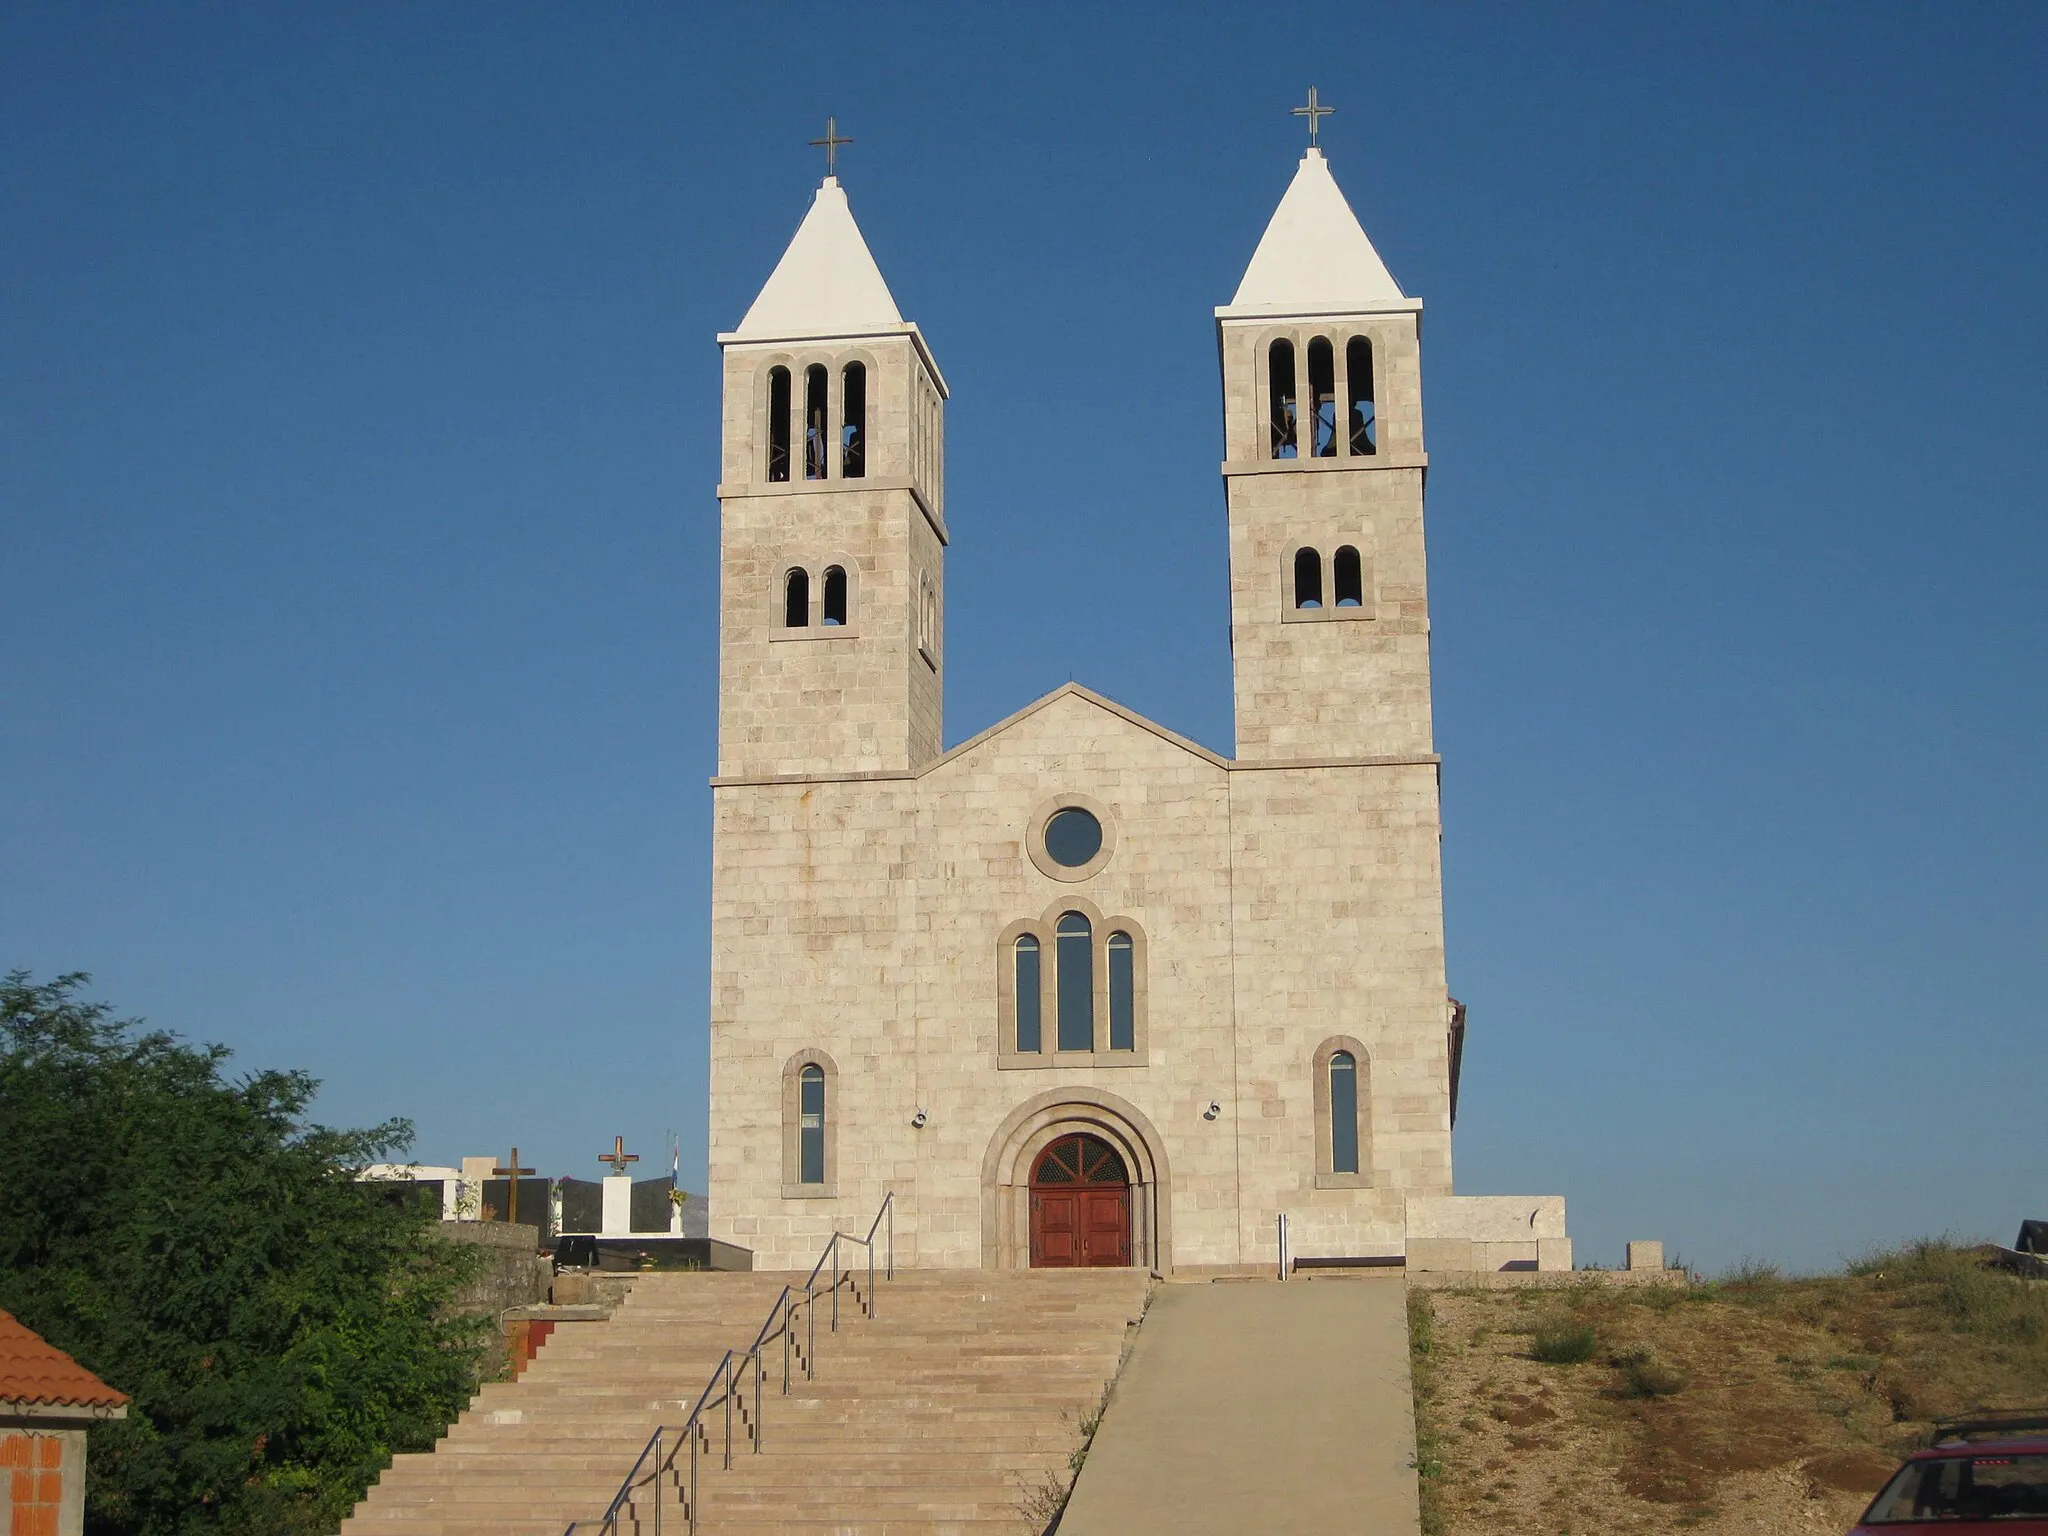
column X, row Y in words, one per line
column 1755, row 1405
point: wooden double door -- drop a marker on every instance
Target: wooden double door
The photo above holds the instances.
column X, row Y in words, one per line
column 1080, row 1205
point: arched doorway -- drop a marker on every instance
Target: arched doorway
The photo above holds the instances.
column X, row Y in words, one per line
column 1080, row 1205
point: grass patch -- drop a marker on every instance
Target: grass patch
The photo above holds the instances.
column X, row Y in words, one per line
column 1822, row 1381
column 1430, row 1468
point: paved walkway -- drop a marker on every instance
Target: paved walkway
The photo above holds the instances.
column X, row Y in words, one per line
column 1258, row 1407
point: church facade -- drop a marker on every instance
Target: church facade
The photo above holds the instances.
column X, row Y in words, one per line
column 1079, row 990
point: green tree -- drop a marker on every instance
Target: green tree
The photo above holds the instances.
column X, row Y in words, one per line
column 194, row 1240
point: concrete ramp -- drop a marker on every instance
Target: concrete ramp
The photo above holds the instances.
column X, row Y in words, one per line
column 1259, row 1406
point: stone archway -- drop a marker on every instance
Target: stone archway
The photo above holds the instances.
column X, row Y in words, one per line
column 1033, row 1126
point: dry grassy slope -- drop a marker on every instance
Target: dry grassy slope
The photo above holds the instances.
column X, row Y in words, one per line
column 1754, row 1405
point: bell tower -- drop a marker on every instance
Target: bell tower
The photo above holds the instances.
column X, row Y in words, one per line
column 1323, row 472
column 832, row 519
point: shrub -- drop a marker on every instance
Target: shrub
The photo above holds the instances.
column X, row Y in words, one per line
column 1564, row 1343
column 1643, row 1375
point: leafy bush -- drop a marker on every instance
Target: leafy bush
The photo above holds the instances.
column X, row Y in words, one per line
column 1564, row 1343
column 282, row 1328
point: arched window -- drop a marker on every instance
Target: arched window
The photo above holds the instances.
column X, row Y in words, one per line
column 778, row 423
column 1123, row 994
column 796, row 598
column 1030, row 1039
column 1280, row 387
column 834, row 604
column 1074, row 965
column 814, row 422
column 1308, row 579
column 810, row 1156
column 810, row 1138
column 1343, row 1113
column 1343, row 1104
column 853, row 430
column 1322, row 395
column 1364, row 429
column 1348, row 578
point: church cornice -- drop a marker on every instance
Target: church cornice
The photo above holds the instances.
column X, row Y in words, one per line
column 1080, row 691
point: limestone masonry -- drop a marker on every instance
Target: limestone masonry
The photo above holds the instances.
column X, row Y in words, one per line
column 932, row 970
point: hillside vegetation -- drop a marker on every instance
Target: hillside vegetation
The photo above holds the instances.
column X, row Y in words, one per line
column 1753, row 1404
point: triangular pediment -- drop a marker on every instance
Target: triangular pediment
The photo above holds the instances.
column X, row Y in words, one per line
column 1086, row 697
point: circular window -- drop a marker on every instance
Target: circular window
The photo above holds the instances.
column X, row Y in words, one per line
column 1072, row 837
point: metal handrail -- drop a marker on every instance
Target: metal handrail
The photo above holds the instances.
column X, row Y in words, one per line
column 665, row 1446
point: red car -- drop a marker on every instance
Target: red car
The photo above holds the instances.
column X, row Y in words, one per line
column 1984, row 1474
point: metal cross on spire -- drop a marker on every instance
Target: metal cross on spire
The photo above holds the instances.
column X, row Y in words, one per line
column 1314, row 112
column 830, row 144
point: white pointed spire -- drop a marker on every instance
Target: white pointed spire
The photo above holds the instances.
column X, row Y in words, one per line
column 1314, row 257
column 827, row 283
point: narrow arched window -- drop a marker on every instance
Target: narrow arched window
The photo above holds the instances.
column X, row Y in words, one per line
column 814, row 422
column 1364, row 429
column 1343, row 1113
column 1280, row 388
column 796, row 599
column 1308, row 579
column 853, row 428
column 810, row 1133
column 1322, row 398
column 778, row 423
column 1074, row 960
column 1123, row 994
column 1029, row 1037
column 1348, row 578
column 834, row 595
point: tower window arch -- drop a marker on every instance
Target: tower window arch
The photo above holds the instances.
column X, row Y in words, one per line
column 1074, row 961
column 1281, row 398
column 778, row 423
column 853, row 427
column 1363, row 427
column 832, row 604
column 815, row 459
column 1343, row 1102
column 1347, row 583
column 1322, row 398
column 810, row 1132
column 1308, row 578
column 796, row 598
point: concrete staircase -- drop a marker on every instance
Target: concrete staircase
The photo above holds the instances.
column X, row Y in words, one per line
column 939, row 1415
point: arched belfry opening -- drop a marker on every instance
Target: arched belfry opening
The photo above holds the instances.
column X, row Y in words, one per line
column 853, row 428
column 1281, row 398
column 778, row 424
column 1322, row 397
column 815, row 458
column 1364, row 426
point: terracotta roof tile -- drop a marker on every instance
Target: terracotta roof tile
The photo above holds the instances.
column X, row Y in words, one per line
column 32, row 1371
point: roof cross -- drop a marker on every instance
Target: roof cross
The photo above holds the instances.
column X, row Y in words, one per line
column 1314, row 111
column 618, row 1157
column 510, row 1173
column 830, row 144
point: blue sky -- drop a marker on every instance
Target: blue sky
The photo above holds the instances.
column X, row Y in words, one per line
column 357, row 414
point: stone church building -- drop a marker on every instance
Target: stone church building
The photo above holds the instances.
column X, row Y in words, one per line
column 1080, row 990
